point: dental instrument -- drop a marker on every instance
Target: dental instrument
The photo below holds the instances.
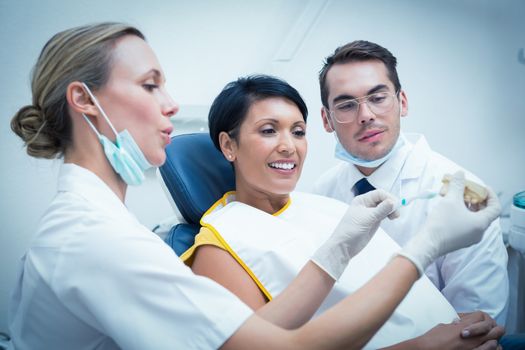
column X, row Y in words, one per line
column 427, row 194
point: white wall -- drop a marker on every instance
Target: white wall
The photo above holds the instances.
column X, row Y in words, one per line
column 458, row 62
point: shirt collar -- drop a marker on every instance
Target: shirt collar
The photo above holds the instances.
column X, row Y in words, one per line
column 385, row 176
column 405, row 164
column 84, row 183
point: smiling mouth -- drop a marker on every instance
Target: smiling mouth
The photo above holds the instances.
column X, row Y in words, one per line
column 282, row 166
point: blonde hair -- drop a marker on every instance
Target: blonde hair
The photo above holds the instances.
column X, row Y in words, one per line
column 78, row 54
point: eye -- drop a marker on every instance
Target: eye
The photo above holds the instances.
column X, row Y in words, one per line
column 150, row 87
column 347, row 106
column 268, row 131
column 377, row 98
column 299, row 132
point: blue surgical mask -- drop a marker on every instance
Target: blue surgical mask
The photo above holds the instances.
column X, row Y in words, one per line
column 124, row 155
column 343, row 154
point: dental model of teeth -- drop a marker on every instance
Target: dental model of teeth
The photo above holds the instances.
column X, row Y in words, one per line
column 474, row 193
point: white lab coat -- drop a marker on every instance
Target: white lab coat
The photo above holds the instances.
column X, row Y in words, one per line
column 473, row 278
column 95, row 278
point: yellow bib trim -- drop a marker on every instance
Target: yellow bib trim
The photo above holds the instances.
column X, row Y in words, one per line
column 239, row 260
column 204, row 237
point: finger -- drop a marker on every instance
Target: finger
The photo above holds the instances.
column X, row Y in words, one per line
column 384, row 209
column 456, row 186
column 395, row 213
column 493, row 208
column 373, row 198
column 470, row 318
column 495, row 333
column 488, row 345
column 476, row 329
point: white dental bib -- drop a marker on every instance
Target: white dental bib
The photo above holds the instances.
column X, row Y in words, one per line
column 274, row 248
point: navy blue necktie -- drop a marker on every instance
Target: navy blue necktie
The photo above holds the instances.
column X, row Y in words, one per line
column 363, row 186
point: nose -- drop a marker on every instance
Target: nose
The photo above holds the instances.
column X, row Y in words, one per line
column 286, row 144
column 168, row 106
column 364, row 114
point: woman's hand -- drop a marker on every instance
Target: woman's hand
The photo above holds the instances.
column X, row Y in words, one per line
column 355, row 230
column 450, row 226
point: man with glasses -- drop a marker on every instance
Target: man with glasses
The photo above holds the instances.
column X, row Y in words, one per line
column 362, row 103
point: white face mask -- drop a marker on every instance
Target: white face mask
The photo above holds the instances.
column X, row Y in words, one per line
column 124, row 155
column 343, row 154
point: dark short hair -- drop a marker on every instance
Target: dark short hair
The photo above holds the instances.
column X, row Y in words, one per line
column 230, row 107
column 358, row 51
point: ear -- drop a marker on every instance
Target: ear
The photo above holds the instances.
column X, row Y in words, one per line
column 327, row 120
column 404, row 103
column 79, row 100
column 228, row 146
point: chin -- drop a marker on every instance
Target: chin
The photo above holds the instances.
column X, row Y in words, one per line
column 284, row 189
column 158, row 159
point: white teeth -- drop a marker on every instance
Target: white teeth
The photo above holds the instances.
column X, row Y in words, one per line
column 286, row 166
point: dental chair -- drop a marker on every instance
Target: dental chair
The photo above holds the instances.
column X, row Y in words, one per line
column 196, row 175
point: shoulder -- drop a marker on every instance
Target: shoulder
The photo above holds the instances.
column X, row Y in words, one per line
column 432, row 165
column 439, row 164
column 329, row 180
column 87, row 238
column 203, row 238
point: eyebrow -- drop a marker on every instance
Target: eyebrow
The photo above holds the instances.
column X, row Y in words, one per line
column 156, row 73
column 345, row 97
column 276, row 121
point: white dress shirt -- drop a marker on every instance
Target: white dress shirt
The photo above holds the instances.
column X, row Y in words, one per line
column 95, row 278
column 473, row 278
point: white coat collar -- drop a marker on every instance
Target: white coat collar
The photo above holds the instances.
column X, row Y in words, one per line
column 417, row 158
column 83, row 182
column 385, row 176
column 406, row 163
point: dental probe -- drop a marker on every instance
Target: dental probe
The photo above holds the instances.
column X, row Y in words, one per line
column 427, row 194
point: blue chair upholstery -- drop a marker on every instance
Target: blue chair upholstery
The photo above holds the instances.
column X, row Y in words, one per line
column 196, row 175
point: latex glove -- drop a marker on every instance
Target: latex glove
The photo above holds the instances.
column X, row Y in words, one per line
column 450, row 226
column 354, row 231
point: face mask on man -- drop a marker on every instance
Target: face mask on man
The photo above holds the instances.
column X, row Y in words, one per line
column 343, row 154
column 124, row 155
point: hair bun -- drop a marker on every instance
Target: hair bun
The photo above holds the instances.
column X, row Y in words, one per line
column 30, row 125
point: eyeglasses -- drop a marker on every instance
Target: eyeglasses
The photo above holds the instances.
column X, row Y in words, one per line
column 378, row 103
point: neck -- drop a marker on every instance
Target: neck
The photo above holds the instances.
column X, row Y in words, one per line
column 268, row 203
column 87, row 152
column 366, row 171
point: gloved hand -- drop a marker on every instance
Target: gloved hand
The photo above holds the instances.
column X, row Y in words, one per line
column 354, row 231
column 450, row 226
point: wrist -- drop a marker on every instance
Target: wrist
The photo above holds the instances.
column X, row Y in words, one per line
column 419, row 271
column 420, row 250
column 331, row 258
column 419, row 343
column 410, row 344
